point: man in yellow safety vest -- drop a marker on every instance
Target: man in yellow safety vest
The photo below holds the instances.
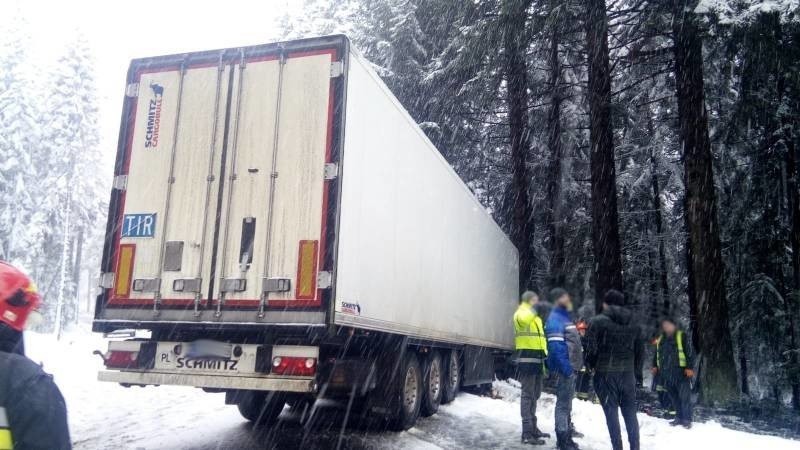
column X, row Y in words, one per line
column 673, row 362
column 531, row 351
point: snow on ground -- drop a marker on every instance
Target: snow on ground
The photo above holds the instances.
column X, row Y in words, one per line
column 108, row 416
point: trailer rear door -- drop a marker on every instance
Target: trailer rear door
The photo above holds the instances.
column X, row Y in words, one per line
column 223, row 196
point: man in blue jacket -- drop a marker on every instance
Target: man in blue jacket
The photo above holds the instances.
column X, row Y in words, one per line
column 564, row 360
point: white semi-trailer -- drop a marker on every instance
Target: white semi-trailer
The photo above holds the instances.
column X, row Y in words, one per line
column 285, row 231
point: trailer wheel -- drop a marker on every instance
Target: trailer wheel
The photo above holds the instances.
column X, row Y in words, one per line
column 433, row 384
column 260, row 407
column 452, row 377
column 409, row 386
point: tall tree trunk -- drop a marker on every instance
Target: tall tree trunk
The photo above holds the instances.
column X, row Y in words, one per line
column 792, row 175
column 741, row 339
column 555, row 170
column 515, row 42
column 655, row 303
column 793, row 299
column 605, row 220
column 666, row 305
column 76, row 274
column 709, row 298
column 63, row 269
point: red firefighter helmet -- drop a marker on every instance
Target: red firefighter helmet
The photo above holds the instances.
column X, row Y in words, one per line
column 18, row 297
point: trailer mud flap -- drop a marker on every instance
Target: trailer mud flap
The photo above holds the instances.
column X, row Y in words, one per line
column 478, row 365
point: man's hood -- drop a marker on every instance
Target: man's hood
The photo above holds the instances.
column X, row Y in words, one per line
column 619, row 314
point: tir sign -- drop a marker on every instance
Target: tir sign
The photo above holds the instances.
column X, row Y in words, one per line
column 139, row 225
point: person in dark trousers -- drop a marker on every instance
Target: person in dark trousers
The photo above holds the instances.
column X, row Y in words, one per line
column 529, row 357
column 615, row 351
column 564, row 359
column 658, row 386
column 583, row 383
column 673, row 363
column 32, row 411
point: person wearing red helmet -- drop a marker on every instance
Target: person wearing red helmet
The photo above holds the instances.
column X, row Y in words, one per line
column 33, row 414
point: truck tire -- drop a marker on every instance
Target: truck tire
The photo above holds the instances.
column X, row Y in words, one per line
column 452, row 377
column 433, row 383
column 409, row 388
column 260, row 407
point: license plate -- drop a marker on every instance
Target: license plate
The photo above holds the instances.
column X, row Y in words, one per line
column 207, row 359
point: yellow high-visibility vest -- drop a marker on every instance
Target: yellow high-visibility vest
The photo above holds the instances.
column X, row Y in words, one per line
column 678, row 343
column 528, row 330
column 6, row 443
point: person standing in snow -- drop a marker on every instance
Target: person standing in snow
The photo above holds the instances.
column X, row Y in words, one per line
column 672, row 363
column 614, row 351
column 583, row 382
column 564, row 360
column 32, row 411
column 531, row 350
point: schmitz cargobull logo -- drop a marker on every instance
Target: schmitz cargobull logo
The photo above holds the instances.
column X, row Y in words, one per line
column 153, row 116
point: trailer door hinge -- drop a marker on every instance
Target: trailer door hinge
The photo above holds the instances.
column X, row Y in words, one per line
column 331, row 171
column 120, row 182
column 337, row 69
column 106, row 280
column 324, row 280
column 132, row 90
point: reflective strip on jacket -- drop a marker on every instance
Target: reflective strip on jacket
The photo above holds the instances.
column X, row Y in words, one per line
column 564, row 349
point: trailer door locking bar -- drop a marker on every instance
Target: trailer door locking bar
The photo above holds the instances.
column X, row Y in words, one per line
column 147, row 284
column 187, row 285
column 276, row 285
column 233, row 285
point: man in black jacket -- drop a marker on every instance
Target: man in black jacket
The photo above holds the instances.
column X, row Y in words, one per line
column 32, row 411
column 614, row 351
column 673, row 363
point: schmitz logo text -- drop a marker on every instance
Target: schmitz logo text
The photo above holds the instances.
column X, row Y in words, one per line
column 154, row 116
column 206, row 364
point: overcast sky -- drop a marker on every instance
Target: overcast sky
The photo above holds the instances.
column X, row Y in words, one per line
column 119, row 31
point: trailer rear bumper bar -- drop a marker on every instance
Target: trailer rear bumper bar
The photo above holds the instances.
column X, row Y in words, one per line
column 304, row 385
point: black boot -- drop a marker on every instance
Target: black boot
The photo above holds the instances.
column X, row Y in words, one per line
column 676, row 422
column 537, row 433
column 575, row 433
column 565, row 442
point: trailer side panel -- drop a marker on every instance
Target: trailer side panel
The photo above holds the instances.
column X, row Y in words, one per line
column 418, row 254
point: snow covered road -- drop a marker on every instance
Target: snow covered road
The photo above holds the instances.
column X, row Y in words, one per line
column 108, row 416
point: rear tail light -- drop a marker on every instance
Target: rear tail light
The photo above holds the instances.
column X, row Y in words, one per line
column 130, row 355
column 118, row 359
column 294, row 366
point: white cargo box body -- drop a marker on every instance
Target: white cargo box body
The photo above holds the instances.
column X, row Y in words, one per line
column 284, row 184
